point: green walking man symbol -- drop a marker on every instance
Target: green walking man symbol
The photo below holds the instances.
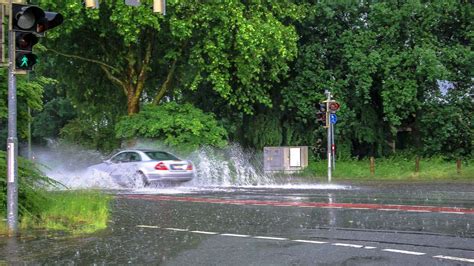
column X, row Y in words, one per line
column 24, row 61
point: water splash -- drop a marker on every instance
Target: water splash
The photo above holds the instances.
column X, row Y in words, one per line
column 215, row 169
column 68, row 164
column 229, row 167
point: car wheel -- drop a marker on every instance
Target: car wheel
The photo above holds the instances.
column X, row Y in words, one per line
column 141, row 180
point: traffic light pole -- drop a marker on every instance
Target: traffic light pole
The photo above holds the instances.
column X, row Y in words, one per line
column 12, row 141
column 329, row 128
column 333, row 147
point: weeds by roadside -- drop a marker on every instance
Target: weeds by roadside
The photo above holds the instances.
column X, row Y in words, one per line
column 431, row 169
column 76, row 212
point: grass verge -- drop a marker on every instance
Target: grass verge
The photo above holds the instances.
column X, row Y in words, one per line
column 74, row 212
column 402, row 169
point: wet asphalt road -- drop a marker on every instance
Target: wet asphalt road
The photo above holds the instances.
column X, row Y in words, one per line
column 352, row 224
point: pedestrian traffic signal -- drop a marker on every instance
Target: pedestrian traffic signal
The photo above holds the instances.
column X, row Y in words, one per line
column 28, row 23
column 25, row 59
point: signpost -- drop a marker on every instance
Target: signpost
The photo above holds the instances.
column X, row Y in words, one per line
column 330, row 108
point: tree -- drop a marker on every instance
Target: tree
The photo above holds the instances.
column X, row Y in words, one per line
column 235, row 48
column 381, row 60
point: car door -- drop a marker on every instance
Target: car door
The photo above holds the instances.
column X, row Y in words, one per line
column 116, row 165
column 129, row 166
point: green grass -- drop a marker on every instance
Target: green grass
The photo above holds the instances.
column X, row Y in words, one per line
column 395, row 168
column 3, row 225
column 74, row 212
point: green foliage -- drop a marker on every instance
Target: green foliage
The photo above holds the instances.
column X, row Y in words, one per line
column 32, row 195
column 90, row 134
column 264, row 130
column 382, row 61
column 29, row 94
column 246, row 53
column 173, row 124
column 54, row 116
column 447, row 127
column 238, row 48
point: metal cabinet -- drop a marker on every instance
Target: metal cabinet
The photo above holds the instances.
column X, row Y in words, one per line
column 285, row 159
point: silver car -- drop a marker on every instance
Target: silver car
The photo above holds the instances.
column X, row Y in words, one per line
column 144, row 167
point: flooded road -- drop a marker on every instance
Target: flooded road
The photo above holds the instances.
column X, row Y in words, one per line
column 304, row 224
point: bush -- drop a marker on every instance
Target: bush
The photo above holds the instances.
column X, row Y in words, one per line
column 173, row 124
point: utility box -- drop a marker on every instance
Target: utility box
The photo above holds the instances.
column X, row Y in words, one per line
column 285, row 159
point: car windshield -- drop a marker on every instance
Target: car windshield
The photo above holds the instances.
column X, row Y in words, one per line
column 160, row 155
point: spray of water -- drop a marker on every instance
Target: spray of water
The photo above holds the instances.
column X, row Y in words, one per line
column 68, row 164
column 215, row 168
column 229, row 167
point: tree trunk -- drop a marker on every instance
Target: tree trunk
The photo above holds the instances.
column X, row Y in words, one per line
column 133, row 106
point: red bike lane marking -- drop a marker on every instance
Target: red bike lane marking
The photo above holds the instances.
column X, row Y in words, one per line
column 371, row 206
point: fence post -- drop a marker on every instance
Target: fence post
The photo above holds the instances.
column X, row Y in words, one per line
column 372, row 165
column 458, row 166
column 417, row 164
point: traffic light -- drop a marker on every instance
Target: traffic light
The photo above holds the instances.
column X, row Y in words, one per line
column 322, row 107
column 321, row 119
column 92, row 3
column 321, row 115
column 159, row 6
column 28, row 23
column 24, row 57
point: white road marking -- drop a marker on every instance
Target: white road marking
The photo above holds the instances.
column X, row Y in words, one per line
column 388, row 210
column 453, row 212
column 147, row 226
column 355, row 208
column 309, row 241
column 283, row 205
column 347, row 245
column 330, row 207
column 270, row 238
column 418, row 211
column 312, row 242
column 176, row 229
column 453, row 258
column 204, row 232
column 404, row 251
column 236, row 235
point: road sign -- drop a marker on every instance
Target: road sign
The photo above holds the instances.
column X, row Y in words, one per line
column 334, row 106
column 333, row 118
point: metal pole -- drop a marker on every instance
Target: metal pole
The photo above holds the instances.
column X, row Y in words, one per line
column 333, row 147
column 12, row 141
column 329, row 151
column 29, row 127
column 30, row 155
